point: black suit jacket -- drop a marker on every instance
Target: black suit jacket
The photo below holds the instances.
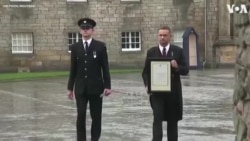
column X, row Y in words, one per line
column 173, row 99
column 89, row 71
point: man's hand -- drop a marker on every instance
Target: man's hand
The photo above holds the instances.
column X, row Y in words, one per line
column 174, row 64
column 107, row 92
column 146, row 88
column 70, row 95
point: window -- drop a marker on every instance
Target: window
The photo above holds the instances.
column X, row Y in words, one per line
column 22, row 43
column 77, row 0
column 73, row 37
column 20, row 0
column 178, row 40
column 131, row 41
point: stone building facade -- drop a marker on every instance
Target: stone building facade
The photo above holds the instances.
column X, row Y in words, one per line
column 35, row 35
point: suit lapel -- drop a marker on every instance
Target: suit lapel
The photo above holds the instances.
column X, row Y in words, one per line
column 80, row 47
column 170, row 51
column 91, row 46
column 158, row 51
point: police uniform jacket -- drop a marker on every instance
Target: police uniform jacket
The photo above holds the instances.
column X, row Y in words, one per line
column 89, row 71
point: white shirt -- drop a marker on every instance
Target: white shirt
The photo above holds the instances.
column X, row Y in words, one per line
column 161, row 48
column 89, row 41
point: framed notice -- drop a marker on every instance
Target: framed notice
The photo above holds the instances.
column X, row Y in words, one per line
column 159, row 75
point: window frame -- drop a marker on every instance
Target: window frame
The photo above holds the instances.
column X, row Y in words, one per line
column 178, row 38
column 77, row 0
column 130, row 49
column 78, row 38
column 15, row 42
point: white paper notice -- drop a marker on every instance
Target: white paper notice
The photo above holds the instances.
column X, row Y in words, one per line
column 160, row 74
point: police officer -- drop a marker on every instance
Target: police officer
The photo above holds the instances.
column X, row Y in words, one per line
column 89, row 78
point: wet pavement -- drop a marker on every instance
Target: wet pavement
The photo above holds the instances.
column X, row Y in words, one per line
column 40, row 111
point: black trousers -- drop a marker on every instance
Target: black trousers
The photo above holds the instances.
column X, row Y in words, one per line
column 95, row 103
column 158, row 105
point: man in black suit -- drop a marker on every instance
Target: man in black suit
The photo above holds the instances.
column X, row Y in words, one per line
column 89, row 78
column 167, row 106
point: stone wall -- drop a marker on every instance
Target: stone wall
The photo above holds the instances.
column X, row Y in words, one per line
column 212, row 30
column 225, row 40
column 197, row 20
column 51, row 20
column 241, row 99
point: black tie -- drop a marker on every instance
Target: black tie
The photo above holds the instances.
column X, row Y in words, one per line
column 164, row 52
column 86, row 46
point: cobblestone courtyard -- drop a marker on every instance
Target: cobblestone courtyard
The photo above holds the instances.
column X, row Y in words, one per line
column 40, row 111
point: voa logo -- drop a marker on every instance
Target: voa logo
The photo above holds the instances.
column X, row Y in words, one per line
column 238, row 9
